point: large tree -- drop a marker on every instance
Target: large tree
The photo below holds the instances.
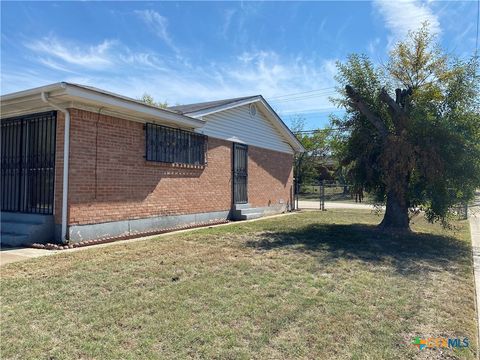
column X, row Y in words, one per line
column 412, row 128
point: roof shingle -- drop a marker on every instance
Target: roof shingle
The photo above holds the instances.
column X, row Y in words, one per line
column 191, row 108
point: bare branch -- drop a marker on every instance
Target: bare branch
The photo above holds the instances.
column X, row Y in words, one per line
column 395, row 109
column 358, row 103
column 387, row 99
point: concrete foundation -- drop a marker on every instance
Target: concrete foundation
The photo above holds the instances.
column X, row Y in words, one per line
column 133, row 227
column 138, row 226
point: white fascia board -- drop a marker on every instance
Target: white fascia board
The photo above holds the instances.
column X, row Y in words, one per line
column 200, row 113
column 64, row 92
column 79, row 94
column 271, row 114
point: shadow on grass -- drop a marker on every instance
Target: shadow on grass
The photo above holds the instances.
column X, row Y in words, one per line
column 410, row 254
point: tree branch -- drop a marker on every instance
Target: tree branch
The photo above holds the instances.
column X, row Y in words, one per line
column 358, row 103
column 387, row 99
column 395, row 109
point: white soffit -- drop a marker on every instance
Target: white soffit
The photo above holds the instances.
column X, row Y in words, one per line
column 78, row 96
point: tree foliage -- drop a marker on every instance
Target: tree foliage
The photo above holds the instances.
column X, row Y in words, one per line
column 148, row 99
column 310, row 166
column 412, row 128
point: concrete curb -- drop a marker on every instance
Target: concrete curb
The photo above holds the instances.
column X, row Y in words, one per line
column 474, row 220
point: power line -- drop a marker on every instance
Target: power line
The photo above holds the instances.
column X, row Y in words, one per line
column 311, row 111
column 300, row 93
column 319, row 130
column 323, row 114
column 306, row 97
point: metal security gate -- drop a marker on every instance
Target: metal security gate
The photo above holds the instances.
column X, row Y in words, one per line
column 240, row 173
column 28, row 163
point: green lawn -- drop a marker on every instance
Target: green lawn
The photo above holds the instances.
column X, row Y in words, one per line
column 316, row 285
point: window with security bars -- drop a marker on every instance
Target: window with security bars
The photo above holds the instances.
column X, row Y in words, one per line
column 28, row 163
column 170, row 145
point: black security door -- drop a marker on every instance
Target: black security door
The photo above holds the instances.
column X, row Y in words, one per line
column 28, row 163
column 240, row 173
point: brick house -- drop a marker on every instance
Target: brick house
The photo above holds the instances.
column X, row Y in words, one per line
column 124, row 167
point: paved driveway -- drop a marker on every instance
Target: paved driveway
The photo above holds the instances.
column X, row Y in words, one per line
column 308, row 204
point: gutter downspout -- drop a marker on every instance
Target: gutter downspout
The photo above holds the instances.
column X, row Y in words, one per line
column 66, row 157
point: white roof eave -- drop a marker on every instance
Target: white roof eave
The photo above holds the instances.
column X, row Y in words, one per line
column 73, row 93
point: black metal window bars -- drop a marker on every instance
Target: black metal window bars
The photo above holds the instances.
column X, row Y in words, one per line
column 28, row 163
column 171, row 145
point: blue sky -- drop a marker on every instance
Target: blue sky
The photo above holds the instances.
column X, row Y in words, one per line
column 185, row 52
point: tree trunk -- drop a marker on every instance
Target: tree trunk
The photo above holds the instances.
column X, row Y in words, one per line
column 396, row 214
column 397, row 155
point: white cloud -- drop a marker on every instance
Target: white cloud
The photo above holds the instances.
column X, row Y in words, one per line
column 90, row 56
column 113, row 66
column 109, row 54
column 158, row 24
column 145, row 60
column 54, row 65
column 405, row 15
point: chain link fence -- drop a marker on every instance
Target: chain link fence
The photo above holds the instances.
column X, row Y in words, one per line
column 316, row 194
column 321, row 195
column 474, row 206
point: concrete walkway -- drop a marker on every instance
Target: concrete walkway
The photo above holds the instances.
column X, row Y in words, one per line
column 19, row 254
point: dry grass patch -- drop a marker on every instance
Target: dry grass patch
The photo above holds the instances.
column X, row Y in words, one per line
column 310, row 285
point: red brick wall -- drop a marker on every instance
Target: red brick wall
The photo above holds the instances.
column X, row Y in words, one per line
column 270, row 177
column 110, row 180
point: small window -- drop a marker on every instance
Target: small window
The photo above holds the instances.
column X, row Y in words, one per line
column 169, row 145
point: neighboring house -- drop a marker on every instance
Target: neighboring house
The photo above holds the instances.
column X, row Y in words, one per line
column 126, row 168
